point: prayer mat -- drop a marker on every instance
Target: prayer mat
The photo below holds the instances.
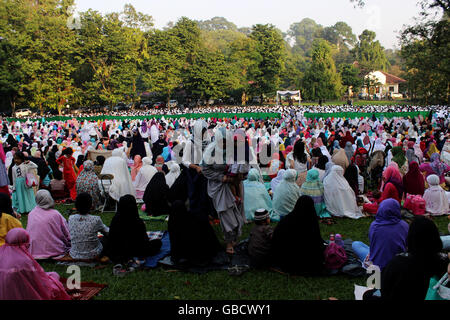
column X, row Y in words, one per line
column 87, row 291
column 155, row 235
column 152, row 262
column 145, row 217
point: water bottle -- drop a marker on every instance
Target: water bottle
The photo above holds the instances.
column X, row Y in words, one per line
column 339, row 240
column 331, row 238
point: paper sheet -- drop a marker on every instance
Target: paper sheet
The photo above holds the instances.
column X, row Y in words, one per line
column 359, row 292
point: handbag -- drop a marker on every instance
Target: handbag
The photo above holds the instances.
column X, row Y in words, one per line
column 30, row 180
column 438, row 290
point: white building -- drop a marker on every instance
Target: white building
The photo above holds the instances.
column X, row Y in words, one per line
column 382, row 84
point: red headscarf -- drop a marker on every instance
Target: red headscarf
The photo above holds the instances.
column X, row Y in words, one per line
column 413, row 181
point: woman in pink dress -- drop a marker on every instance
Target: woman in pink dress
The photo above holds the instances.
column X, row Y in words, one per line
column 21, row 277
column 49, row 232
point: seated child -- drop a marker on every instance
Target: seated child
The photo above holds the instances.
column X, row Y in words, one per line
column 58, row 187
column 260, row 239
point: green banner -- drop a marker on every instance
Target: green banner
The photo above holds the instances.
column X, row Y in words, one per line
column 353, row 115
column 255, row 115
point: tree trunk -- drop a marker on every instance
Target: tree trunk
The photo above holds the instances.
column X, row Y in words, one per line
column 13, row 106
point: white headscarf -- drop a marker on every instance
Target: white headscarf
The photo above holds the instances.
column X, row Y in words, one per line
column 435, row 197
column 340, row 198
column 145, row 174
column 121, row 184
column 173, row 174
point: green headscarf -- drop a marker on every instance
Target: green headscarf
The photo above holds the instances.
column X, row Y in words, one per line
column 398, row 155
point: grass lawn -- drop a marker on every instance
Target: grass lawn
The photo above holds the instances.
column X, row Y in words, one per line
column 165, row 284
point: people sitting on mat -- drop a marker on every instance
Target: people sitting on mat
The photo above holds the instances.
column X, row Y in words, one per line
column 286, row 194
column 155, row 196
column 435, row 197
column 84, row 229
column 256, row 196
column 297, row 246
column 392, row 188
column 48, row 230
column 413, row 181
column 127, row 238
column 7, row 219
column 340, row 199
column 144, row 176
column 407, row 276
column 193, row 241
column 117, row 166
column 21, row 277
column 387, row 236
column 87, row 181
column 260, row 240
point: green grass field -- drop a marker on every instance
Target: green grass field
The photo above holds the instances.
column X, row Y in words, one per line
column 165, row 284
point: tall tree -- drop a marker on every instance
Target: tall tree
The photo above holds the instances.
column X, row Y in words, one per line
column 270, row 47
column 208, row 76
column 163, row 70
column 303, row 34
column 369, row 53
column 322, row 81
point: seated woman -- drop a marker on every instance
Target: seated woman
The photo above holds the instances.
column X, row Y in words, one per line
column 83, row 229
column 387, row 235
column 313, row 187
column 297, row 246
column 22, row 278
column 275, row 165
column 435, row 197
column 407, row 276
column 144, row 176
column 58, row 187
column 137, row 165
column 321, row 166
column 340, row 199
column 128, row 237
column 392, row 188
column 87, row 181
column 276, row 181
column 174, row 173
column 286, row 194
column 99, row 162
column 435, row 167
column 352, row 177
column 7, row 222
column 48, row 230
column 256, row 196
column 192, row 239
column 340, row 158
column 398, row 156
column 155, row 196
column 413, row 181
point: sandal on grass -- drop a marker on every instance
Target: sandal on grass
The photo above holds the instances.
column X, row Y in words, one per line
column 119, row 271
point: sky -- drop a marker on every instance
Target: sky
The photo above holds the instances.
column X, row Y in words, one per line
column 385, row 17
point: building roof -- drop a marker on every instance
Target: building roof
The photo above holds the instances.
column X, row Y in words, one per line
column 391, row 79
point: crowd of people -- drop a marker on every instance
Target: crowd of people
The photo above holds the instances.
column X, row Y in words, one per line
column 291, row 170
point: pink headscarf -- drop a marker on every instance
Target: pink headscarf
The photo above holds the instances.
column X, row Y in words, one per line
column 136, row 166
column 2, row 153
column 22, row 278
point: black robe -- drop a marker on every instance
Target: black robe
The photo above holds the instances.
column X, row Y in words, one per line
column 192, row 238
column 297, row 246
column 155, row 196
column 128, row 235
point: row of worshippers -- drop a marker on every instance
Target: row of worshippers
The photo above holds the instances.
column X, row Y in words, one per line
column 408, row 256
